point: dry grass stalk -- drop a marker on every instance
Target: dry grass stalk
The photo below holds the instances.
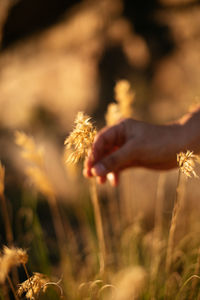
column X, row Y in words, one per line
column 123, row 108
column 81, row 138
column 38, row 175
column 29, row 150
column 27, row 275
column 157, row 243
column 175, row 214
column 6, row 218
column 40, row 181
column 99, row 225
column 179, row 296
column 195, row 281
column 12, row 287
column 186, row 163
column 113, row 114
column 79, row 142
column 33, row 286
column 10, row 258
column 124, row 96
column 5, row 6
column 5, row 215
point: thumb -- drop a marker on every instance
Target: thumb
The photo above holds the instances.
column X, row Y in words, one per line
column 114, row 162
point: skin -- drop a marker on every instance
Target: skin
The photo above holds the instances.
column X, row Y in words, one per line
column 133, row 143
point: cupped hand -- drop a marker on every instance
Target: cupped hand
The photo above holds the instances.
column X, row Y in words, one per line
column 132, row 143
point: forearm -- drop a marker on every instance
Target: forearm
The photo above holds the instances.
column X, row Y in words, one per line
column 190, row 131
column 166, row 141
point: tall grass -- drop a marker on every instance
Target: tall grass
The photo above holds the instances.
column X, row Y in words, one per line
column 104, row 253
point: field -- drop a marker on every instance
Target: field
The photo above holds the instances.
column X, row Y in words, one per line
column 63, row 236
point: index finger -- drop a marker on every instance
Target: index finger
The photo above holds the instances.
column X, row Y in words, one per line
column 105, row 142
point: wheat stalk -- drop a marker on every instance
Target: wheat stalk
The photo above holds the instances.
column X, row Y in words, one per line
column 79, row 142
column 157, row 234
column 5, row 215
column 98, row 222
column 39, row 177
column 33, row 285
column 196, row 271
column 186, row 163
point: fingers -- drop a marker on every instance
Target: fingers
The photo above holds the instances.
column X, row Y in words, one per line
column 113, row 178
column 106, row 155
column 106, row 141
column 114, row 162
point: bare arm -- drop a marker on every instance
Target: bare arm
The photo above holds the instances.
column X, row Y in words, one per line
column 133, row 143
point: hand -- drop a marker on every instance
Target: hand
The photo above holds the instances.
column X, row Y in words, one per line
column 132, row 143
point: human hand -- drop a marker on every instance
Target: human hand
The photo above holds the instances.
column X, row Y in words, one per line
column 132, row 143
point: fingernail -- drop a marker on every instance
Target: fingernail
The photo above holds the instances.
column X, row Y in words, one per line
column 98, row 170
column 111, row 178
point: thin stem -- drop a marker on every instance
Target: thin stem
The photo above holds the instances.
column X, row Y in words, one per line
column 29, row 279
column 98, row 221
column 194, row 283
column 58, row 225
column 8, row 228
column 4, row 293
column 157, row 234
column 12, row 287
column 8, row 231
column 185, row 283
column 174, row 219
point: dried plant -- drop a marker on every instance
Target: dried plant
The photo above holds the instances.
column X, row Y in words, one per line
column 33, row 286
column 10, row 258
column 124, row 96
column 81, row 138
column 157, row 243
column 40, row 180
column 186, row 163
column 175, row 214
column 8, row 227
column 2, row 177
column 113, row 114
column 195, row 281
column 37, row 172
column 94, row 289
column 79, row 142
column 29, row 150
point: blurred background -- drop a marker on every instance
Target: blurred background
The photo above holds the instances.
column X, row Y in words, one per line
column 61, row 57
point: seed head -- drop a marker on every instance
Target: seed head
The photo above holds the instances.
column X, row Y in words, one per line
column 9, row 258
column 81, row 138
column 34, row 156
column 124, row 95
column 186, row 162
column 113, row 114
column 33, row 285
column 29, row 150
column 40, row 180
